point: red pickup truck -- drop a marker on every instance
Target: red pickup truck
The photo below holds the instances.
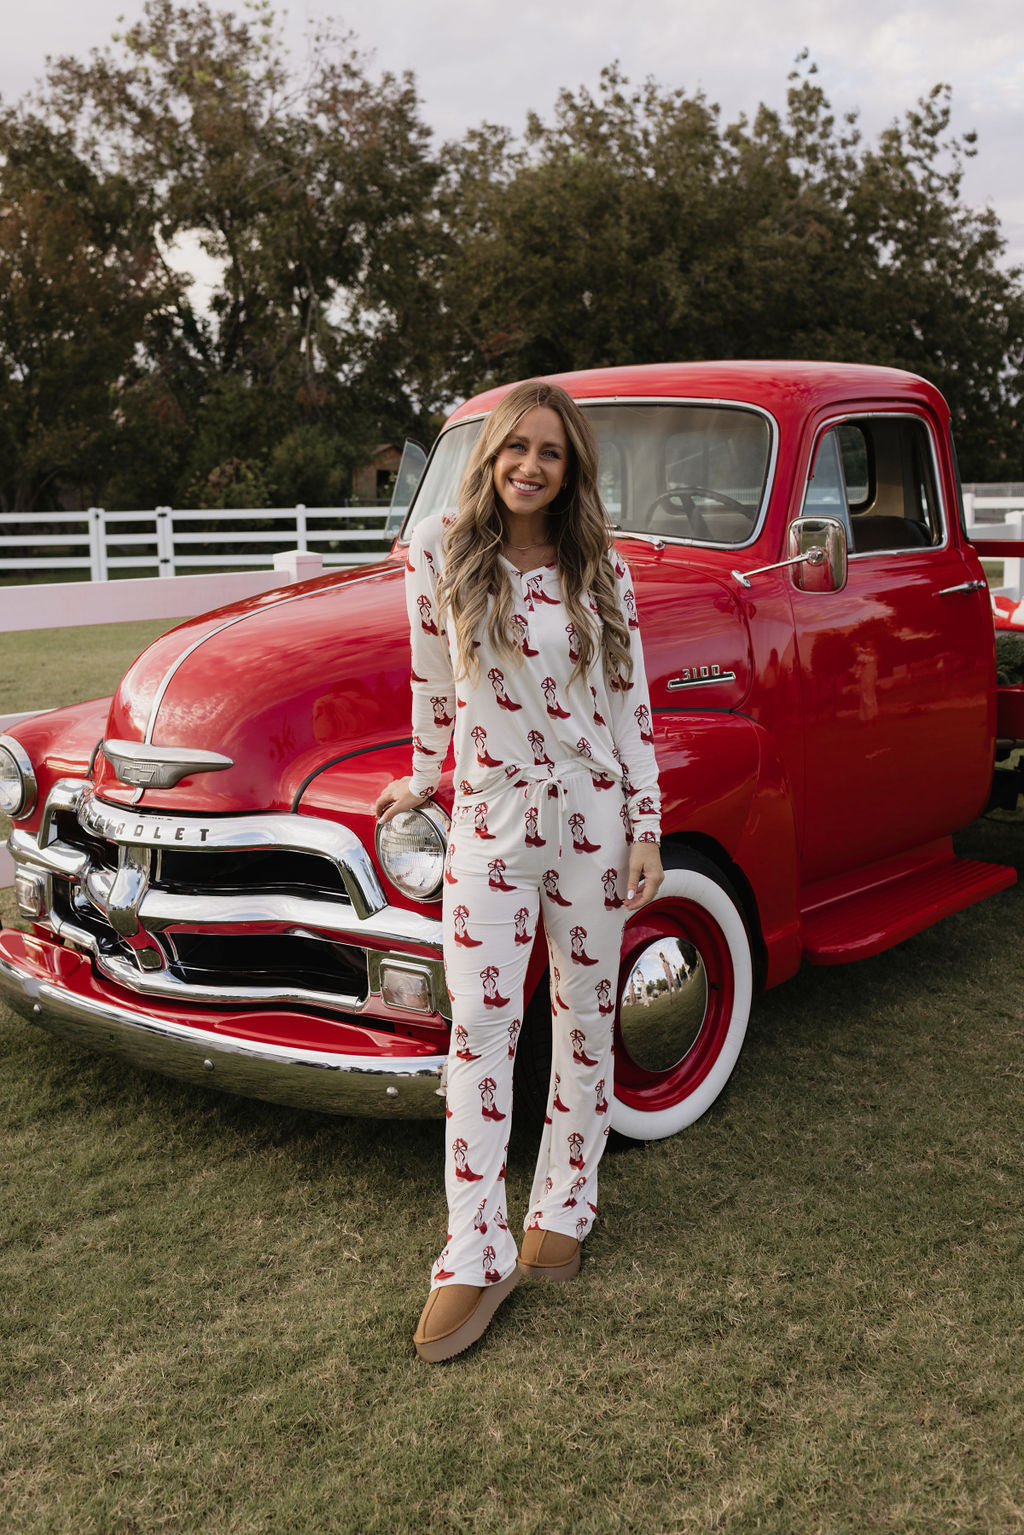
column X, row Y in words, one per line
column 197, row 859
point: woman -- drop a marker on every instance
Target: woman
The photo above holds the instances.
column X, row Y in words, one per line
column 525, row 642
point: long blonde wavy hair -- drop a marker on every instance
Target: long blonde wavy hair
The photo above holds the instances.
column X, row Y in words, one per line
column 581, row 535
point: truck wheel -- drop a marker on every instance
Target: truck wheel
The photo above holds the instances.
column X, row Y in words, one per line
column 685, row 987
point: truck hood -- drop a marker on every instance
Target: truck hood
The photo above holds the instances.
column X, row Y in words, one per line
column 302, row 677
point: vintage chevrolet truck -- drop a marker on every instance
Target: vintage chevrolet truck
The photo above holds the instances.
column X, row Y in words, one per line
column 197, row 857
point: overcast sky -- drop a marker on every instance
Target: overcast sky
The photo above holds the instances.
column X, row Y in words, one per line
column 492, row 60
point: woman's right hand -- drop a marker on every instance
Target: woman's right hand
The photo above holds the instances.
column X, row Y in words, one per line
column 396, row 797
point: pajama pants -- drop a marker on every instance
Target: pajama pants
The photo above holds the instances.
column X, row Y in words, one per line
column 555, row 844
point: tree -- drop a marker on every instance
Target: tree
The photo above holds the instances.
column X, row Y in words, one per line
column 635, row 226
column 310, row 191
column 80, row 282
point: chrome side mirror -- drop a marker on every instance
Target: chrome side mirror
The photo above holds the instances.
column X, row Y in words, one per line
column 818, row 556
column 819, row 544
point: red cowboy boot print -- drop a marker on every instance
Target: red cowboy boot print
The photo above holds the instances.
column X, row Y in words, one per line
column 418, row 746
column 577, row 1188
column 532, row 837
column 483, row 756
column 580, row 841
column 496, row 677
column 549, row 879
column 581, row 1228
column 601, row 1106
column 522, row 629
column 500, row 1220
column 496, row 875
column 575, row 1143
column 521, row 917
column 479, row 1224
column 504, row 1159
column 605, row 1005
column 552, row 705
column 535, row 592
column 598, row 716
column 461, row 935
column 463, row 1172
column 491, row 1275
column 441, row 716
column 579, row 1049
column 449, row 855
column 535, row 1220
column 646, row 806
column 462, row 1050
column 556, row 1001
column 583, row 747
column 610, row 881
column 548, row 1184
column 574, row 647
column 489, row 1110
column 426, row 608
column 513, row 1035
column 539, row 748
column 440, row 1272
column 630, row 604
column 556, row 1101
column 492, row 997
column 480, row 822
column 627, row 824
column 579, row 946
column 601, row 780
column 648, row 836
column 642, row 716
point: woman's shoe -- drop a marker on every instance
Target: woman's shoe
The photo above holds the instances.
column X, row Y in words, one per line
column 456, row 1315
column 549, row 1255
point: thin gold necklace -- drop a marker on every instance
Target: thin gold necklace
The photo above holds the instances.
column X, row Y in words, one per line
column 522, row 548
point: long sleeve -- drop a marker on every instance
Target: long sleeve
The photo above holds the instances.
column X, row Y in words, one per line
column 433, row 684
column 632, row 726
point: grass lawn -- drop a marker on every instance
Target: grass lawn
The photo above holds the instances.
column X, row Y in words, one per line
column 801, row 1315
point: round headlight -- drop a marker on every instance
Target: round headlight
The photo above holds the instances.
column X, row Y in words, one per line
column 17, row 780
column 411, row 849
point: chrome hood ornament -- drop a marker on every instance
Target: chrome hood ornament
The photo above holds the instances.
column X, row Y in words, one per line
column 160, row 767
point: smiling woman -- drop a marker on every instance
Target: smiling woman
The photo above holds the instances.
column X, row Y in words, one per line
column 525, row 643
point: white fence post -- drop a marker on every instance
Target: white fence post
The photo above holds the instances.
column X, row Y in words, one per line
column 97, row 544
column 165, row 541
column 299, row 564
column 300, row 528
column 1012, row 568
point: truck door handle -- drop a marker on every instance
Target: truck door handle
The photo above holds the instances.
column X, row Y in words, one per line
column 965, row 586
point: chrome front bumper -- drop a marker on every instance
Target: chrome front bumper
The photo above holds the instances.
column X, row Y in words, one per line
column 374, row 1086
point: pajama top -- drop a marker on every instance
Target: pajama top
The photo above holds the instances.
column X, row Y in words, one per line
column 527, row 719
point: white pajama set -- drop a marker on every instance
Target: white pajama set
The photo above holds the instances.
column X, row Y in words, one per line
column 552, row 784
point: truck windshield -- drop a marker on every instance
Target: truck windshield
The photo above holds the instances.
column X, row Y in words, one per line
column 688, row 471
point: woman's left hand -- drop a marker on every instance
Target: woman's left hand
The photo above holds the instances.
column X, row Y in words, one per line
column 645, row 875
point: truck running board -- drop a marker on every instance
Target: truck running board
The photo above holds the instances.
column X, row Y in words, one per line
column 869, row 920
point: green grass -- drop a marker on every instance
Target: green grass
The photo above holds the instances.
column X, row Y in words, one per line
column 801, row 1315
column 48, row 668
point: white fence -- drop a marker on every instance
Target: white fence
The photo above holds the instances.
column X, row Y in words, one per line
column 167, row 541
column 1009, row 530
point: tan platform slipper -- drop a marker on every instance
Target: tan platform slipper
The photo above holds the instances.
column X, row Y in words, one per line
column 456, row 1315
column 549, row 1255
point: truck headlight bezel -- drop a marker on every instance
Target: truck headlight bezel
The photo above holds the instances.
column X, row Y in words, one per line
column 18, row 788
column 411, row 851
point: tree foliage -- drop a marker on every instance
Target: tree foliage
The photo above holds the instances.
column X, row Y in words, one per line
column 365, row 281
column 636, row 226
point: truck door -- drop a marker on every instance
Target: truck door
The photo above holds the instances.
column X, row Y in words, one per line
column 896, row 670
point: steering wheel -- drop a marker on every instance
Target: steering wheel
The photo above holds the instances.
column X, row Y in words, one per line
column 683, row 496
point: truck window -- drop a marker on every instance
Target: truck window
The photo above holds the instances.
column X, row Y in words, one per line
column 675, row 469
column 877, row 474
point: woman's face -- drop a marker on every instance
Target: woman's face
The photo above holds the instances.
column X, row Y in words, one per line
column 531, row 463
